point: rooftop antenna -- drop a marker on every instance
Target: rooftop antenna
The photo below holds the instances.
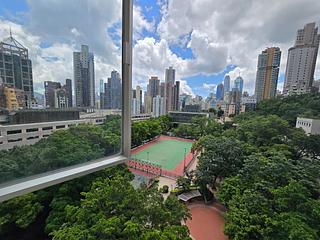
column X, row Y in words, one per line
column 10, row 32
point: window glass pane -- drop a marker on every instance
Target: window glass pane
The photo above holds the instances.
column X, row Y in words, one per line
column 61, row 89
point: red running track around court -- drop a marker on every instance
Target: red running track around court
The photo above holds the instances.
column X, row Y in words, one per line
column 207, row 223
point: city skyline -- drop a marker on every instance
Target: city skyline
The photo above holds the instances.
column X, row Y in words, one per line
column 184, row 43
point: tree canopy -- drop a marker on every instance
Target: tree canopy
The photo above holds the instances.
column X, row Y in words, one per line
column 113, row 209
column 269, row 171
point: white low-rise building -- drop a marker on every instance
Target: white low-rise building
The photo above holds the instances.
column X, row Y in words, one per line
column 30, row 133
column 309, row 125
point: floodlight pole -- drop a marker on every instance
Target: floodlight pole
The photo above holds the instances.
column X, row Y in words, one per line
column 184, row 161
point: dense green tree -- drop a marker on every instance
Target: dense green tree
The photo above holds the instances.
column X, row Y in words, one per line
column 221, row 157
column 220, row 113
column 63, row 148
column 270, row 197
column 199, row 126
column 148, row 129
column 184, row 183
column 20, row 211
column 308, row 146
column 262, row 130
column 113, row 209
column 165, row 122
column 289, row 108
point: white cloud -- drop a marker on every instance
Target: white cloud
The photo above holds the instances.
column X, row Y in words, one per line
column 152, row 58
column 185, row 88
column 62, row 26
column 248, row 75
column 209, row 86
column 218, row 32
column 140, row 23
column 75, row 32
column 52, row 63
column 239, row 28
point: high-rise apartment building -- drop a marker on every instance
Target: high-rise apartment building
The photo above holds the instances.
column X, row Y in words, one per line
column 154, row 86
column 147, row 103
column 68, row 88
column 267, row 73
column 139, row 99
column 56, row 95
column 84, row 82
column 220, row 92
column 49, row 93
column 157, row 106
column 168, row 92
column 162, row 89
column 101, row 90
column 238, row 83
column 301, row 61
column 11, row 98
column 16, row 67
column 113, row 91
column 61, row 98
column 226, row 83
column 176, row 94
column 134, row 104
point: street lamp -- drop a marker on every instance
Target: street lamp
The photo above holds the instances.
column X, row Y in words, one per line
column 184, row 160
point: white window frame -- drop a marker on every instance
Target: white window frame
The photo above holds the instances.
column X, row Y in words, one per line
column 29, row 184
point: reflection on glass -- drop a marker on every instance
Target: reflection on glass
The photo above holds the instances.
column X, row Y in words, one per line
column 60, row 87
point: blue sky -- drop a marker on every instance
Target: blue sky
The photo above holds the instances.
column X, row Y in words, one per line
column 202, row 59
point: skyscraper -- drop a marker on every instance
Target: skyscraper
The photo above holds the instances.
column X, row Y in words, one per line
column 147, row 103
column 220, row 92
column 157, row 106
column 68, row 88
column 176, row 94
column 139, row 99
column 267, row 73
column 61, row 98
column 226, row 83
column 134, row 105
column 113, row 91
column 83, row 67
column 56, row 95
column 169, row 84
column 15, row 66
column 238, row 83
column 154, row 86
column 301, row 61
column 162, row 89
column 101, row 93
column 49, row 93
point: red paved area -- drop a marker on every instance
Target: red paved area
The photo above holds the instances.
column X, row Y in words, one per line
column 207, row 223
column 142, row 173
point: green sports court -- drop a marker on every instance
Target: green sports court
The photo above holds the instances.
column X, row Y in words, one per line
column 167, row 152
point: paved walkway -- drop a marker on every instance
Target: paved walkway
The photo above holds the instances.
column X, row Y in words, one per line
column 166, row 181
column 193, row 165
column 207, row 222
